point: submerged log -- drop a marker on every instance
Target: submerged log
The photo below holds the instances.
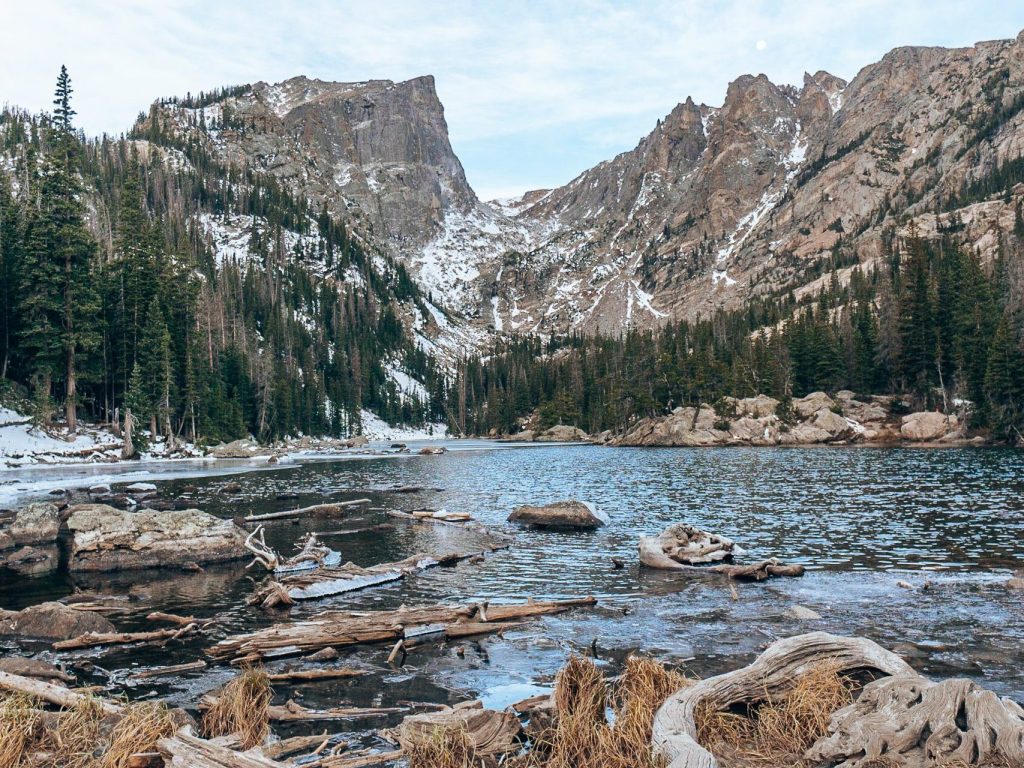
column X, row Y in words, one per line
column 317, row 510
column 92, row 639
column 173, row 669
column 345, row 628
column 305, row 675
column 759, row 571
column 774, row 672
column 322, row 582
column 913, row 722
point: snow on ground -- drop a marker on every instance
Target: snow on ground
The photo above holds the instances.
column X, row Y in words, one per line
column 406, row 385
column 230, row 237
column 24, row 443
column 376, row 428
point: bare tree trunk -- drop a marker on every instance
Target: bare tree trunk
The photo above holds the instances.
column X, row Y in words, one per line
column 128, row 450
column 72, row 393
column 117, row 422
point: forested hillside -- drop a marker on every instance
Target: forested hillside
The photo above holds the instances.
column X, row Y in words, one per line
column 931, row 325
column 140, row 273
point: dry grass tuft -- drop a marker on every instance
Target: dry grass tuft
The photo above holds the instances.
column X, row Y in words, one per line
column 447, row 747
column 141, row 727
column 581, row 736
column 18, row 720
column 76, row 742
column 243, row 708
column 777, row 731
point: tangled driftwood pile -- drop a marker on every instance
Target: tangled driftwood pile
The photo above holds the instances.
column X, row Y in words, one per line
column 337, row 629
column 683, row 547
column 900, row 718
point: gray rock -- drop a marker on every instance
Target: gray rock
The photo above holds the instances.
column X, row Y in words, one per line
column 35, row 524
column 809, row 405
column 802, row 613
column 37, row 668
column 51, row 621
column 33, row 561
column 561, row 514
column 560, row 433
column 108, row 539
column 927, row 425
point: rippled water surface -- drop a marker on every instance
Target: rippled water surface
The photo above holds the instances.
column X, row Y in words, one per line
column 860, row 519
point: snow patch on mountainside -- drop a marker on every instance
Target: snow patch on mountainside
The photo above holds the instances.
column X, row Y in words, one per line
column 376, row 428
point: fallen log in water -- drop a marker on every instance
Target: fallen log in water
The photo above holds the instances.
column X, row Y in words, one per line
column 759, row 571
column 92, row 639
column 317, row 510
column 322, row 582
column 344, row 628
column 305, row 675
column 173, row 669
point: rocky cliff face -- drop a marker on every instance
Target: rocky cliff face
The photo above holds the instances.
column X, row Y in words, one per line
column 716, row 205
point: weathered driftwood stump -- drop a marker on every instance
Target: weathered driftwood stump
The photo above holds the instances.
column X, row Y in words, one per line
column 491, row 732
column 917, row 723
column 674, row 735
column 682, row 545
column 759, row 571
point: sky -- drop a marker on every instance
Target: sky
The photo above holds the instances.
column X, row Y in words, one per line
column 534, row 92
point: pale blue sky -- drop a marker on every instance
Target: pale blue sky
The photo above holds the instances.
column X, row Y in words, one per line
column 534, row 92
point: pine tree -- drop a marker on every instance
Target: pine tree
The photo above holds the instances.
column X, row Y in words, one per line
column 1004, row 382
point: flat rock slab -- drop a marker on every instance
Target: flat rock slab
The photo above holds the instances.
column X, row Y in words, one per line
column 108, row 539
column 51, row 621
column 35, row 524
column 579, row 515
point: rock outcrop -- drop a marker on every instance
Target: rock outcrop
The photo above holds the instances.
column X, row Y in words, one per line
column 927, row 426
column 108, row 539
column 35, row 524
column 51, row 621
column 560, row 433
column 562, row 514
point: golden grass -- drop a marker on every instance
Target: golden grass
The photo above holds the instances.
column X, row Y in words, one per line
column 141, row 727
column 76, row 742
column 581, row 736
column 243, row 708
column 777, row 731
column 18, row 720
column 446, row 747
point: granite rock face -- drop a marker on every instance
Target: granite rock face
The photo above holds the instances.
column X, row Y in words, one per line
column 108, row 539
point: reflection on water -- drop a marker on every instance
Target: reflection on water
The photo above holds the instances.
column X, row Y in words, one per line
column 861, row 519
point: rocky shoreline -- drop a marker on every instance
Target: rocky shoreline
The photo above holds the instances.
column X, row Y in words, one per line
column 816, row 419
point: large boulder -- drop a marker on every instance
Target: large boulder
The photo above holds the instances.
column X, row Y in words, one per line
column 806, row 407
column 35, row 524
column 561, row 433
column 859, row 411
column 681, row 546
column 927, row 425
column 561, row 514
column 108, row 539
column 757, row 407
column 51, row 621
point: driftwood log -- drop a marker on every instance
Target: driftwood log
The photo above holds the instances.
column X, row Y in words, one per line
column 759, row 571
column 336, row 629
column 913, row 722
column 184, row 750
column 674, row 736
column 57, row 695
column 92, row 639
column 317, row 510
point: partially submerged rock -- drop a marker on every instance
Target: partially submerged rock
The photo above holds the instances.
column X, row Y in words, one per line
column 51, row 621
column 108, row 539
column 680, row 546
column 35, row 668
column 571, row 514
column 32, row 561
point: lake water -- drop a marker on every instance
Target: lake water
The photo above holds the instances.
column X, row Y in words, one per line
column 861, row 519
